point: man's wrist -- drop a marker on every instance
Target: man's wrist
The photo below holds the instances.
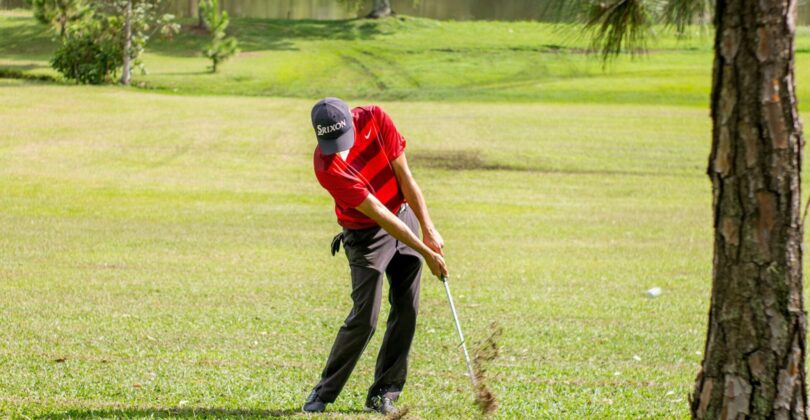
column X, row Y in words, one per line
column 428, row 229
column 424, row 250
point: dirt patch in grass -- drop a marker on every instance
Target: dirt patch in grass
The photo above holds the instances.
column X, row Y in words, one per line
column 472, row 160
column 460, row 160
column 401, row 414
column 486, row 352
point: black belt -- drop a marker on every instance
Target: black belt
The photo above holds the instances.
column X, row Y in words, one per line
column 339, row 237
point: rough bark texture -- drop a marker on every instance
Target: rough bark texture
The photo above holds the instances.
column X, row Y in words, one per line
column 753, row 364
column 382, row 8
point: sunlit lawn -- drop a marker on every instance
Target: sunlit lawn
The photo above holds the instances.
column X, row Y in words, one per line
column 173, row 251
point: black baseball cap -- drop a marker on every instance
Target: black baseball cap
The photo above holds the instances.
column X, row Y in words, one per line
column 333, row 126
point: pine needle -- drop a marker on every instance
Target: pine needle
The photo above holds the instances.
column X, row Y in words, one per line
column 682, row 13
column 620, row 26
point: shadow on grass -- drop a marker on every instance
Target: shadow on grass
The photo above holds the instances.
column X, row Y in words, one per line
column 186, row 73
column 189, row 412
column 20, row 72
column 270, row 34
column 25, row 37
column 14, row 68
column 256, row 32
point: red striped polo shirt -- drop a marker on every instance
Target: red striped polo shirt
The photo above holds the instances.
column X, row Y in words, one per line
column 366, row 170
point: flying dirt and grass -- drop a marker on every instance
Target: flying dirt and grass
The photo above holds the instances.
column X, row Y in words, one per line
column 167, row 255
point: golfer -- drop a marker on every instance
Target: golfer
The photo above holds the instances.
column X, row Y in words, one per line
column 360, row 160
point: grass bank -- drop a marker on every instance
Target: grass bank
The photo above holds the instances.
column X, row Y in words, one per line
column 411, row 59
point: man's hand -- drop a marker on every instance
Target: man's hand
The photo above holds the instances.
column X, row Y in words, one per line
column 372, row 208
column 436, row 264
column 433, row 240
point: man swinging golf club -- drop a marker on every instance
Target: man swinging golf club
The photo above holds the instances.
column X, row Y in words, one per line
column 360, row 160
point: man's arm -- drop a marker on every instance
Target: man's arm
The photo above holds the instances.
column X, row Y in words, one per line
column 373, row 208
column 412, row 193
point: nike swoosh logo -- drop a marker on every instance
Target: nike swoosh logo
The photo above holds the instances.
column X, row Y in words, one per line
column 368, row 134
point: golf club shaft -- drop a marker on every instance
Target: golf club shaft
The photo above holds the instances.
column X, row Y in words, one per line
column 460, row 334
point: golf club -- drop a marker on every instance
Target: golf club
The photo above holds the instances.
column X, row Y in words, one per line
column 460, row 334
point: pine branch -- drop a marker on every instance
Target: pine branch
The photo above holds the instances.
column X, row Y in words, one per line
column 621, row 26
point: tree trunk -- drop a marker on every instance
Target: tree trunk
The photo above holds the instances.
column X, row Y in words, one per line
column 753, row 365
column 198, row 8
column 62, row 25
column 62, row 10
column 382, row 8
column 125, row 74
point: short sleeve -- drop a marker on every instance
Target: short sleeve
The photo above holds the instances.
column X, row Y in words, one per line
column 393, row 142
column 347, row 192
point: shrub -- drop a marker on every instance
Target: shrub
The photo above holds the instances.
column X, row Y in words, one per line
column 91, row 51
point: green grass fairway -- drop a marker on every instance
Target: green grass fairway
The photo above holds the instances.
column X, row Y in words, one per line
column 172, row 253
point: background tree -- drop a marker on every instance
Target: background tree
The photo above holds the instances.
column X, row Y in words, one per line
column 110, row 38
column 59, row 13
column 140, row 20
column 754, row 357
column 127, row 50
column 90, row 52
column 382, row 8
column 198, row 6
column 221, row 46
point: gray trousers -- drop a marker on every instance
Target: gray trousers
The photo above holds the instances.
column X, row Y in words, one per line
column 372, row 253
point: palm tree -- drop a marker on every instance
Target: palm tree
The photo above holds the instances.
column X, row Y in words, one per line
column 753, row 363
